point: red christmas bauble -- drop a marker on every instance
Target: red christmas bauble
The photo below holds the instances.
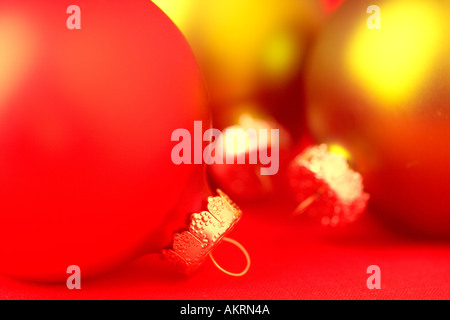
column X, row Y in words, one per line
column 383, row 92
column 86, row 117
column 246, row 181
column 325, row 186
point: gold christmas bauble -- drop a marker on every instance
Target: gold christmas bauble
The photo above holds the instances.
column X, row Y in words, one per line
column 250, row 51
column 378, row 83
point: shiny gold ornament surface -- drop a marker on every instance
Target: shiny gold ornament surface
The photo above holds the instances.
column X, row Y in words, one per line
column 250, row 51
column 384, row 94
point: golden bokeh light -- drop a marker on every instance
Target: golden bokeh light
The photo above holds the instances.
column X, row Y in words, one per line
column 245, row 47
column 391, row 62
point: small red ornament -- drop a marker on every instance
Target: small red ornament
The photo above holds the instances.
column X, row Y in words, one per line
column 245, row 182
column 324, row 185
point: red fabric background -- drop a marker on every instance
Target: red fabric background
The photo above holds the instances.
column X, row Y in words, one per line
column 291, row 259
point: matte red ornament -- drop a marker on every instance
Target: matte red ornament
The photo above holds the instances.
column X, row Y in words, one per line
column 86, row 117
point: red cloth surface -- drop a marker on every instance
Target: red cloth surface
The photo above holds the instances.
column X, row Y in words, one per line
column 291, row 259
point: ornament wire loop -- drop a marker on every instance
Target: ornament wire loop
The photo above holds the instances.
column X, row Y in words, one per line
column 206, row 230
column 247, row 257
column 305, row 204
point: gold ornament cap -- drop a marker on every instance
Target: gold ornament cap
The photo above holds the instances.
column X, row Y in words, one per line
column 207, row 229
